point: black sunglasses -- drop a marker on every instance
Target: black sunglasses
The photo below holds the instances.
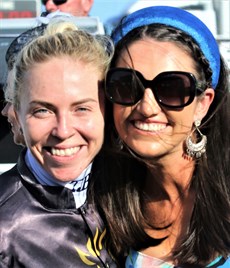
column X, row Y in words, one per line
column 56, row 2
column 171, row 89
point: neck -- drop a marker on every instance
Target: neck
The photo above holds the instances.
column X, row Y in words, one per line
column 172, row 175
column 168, row 203
column 78, row 186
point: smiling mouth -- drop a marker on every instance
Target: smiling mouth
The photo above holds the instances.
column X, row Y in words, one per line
column 63, row 152
column 149, row 126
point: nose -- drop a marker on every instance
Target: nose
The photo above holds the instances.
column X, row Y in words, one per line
column 5, row 110
column 148, row 105
column 50, row 6
column 64, row 127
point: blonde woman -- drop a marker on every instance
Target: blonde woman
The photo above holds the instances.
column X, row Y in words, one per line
column 47, row 217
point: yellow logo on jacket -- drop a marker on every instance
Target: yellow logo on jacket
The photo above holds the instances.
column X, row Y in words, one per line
column 97, row 246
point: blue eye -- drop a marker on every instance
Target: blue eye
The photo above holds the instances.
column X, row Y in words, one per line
column 41, row 113
column 42, row 110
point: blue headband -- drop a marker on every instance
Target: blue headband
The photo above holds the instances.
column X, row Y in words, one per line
column 179, row 19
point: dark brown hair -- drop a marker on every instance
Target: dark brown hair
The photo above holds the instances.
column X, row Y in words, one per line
column 122, row 194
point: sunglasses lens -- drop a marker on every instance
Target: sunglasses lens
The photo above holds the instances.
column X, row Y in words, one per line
column 123, row 87
column 56, row 2
column 59, row 2
column 173, row 89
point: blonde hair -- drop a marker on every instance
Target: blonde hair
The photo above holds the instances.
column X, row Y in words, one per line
column 62, row 38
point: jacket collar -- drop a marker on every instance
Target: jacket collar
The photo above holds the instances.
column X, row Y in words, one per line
column 55, row 197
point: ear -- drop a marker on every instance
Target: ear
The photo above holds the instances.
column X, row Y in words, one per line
column 17, row 117
column 204, row 103
column 87, row 4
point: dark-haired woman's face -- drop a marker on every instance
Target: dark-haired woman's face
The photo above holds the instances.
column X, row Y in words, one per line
column 146, row 127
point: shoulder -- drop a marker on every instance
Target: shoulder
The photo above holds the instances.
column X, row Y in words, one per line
column 9, row 183
column 225, row 263
column 220, row 262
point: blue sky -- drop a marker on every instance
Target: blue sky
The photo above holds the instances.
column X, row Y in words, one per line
column 107, row 9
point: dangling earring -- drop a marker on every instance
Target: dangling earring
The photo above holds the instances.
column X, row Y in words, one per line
column 196, row 150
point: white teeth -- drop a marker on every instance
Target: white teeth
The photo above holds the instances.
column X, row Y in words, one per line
column 64, row 152
column 149, row 126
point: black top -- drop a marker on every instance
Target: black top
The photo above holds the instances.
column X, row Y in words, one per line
column 40, row 226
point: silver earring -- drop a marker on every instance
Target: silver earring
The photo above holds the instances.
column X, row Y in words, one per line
column 195, row 150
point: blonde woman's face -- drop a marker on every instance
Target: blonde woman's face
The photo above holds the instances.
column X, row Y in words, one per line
column 62, row 115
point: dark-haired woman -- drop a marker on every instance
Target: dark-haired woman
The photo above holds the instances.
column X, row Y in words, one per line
column 169, row 89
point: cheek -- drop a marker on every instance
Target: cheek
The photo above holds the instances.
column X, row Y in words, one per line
column 188, row 116
column 118, row 113
column 35, row 131
column 183, row 120
column 93, row 128
column 32, row 135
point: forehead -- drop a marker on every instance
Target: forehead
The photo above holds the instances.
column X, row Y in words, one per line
column 153, row 47
column 158, row 56
column 62, row 64
column 61, row 78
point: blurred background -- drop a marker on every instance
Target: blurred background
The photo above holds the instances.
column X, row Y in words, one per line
column 17, row 16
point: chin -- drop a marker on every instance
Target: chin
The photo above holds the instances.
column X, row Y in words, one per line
column 64, row 175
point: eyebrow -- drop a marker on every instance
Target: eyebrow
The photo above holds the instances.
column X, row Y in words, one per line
column 50, row 105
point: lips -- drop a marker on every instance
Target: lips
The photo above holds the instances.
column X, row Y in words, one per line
column 154, row 127
column 64, row 152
